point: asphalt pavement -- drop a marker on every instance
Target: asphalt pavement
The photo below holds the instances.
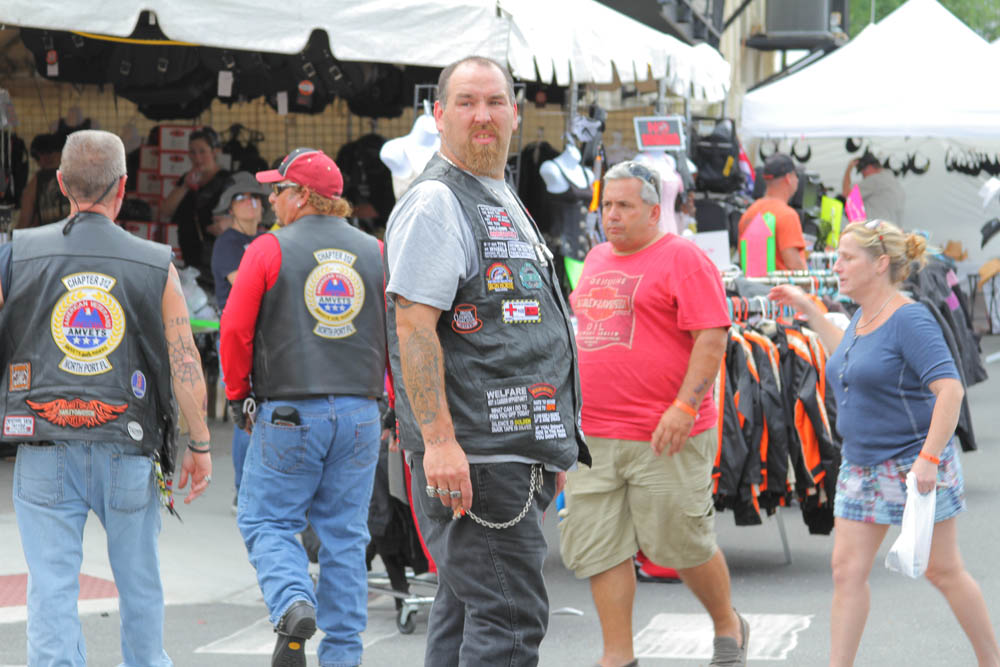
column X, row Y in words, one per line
column 215, row 615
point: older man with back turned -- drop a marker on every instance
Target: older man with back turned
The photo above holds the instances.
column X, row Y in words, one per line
column 96, row 346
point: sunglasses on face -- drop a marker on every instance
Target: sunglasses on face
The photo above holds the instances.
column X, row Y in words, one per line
column 281, row 187
column 242, row 197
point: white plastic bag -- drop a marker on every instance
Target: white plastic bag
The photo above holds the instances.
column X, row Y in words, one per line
column 910, row 551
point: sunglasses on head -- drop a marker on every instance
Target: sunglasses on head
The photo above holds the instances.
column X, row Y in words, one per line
column 874, row 225
column 644, row 173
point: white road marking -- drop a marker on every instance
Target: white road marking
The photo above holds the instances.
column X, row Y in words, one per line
column 689, row 636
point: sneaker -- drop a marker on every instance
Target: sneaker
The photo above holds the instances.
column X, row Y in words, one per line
column 295, row 627
column 726, row 652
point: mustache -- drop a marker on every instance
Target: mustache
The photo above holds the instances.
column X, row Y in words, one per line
column 486, row 127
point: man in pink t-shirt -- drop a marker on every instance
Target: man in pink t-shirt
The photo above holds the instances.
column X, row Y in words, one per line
column 652, row 330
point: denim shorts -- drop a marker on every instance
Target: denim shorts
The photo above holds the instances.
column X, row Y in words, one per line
column 877, row 494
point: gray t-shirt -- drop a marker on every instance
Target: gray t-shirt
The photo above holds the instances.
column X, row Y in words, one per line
column 431, row 250
column 883, row 197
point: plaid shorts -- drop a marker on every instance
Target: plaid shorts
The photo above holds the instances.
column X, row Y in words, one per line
column 877, row 494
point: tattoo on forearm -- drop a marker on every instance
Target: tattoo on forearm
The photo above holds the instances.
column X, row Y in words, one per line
column 421, row 372
column 185, row 365
column 403, row 302
column 700, row 389
column 435, row 441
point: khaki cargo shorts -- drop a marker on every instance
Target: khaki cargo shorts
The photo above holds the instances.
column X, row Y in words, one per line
column 631, row 499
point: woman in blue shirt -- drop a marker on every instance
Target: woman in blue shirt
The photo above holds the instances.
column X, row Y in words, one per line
column 898, row 398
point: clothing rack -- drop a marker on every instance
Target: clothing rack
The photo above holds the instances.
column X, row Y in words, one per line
column 819, row 282
column 822, row 260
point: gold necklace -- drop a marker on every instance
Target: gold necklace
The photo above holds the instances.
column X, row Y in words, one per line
column 877, row 313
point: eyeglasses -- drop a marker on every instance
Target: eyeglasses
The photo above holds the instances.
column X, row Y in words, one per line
column 874, row 225
column 242, row 197
column 281, row 187
column 643, row 173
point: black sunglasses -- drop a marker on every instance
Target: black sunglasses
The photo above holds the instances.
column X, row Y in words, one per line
column 281, row 187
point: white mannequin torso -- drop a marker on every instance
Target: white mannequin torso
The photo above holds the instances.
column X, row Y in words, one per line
column 407, row 156
column 568, row 163
column 670, row 185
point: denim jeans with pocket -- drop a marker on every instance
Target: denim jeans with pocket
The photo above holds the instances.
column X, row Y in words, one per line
column 55, row 487
column 323, row 467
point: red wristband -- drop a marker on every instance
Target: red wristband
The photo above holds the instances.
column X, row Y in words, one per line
column 684, row 407
column 930, row 457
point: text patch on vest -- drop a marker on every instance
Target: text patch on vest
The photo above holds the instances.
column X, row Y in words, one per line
column 87, row 323
column 334, row 293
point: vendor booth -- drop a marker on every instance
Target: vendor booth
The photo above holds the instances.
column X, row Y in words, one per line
column 912, row 86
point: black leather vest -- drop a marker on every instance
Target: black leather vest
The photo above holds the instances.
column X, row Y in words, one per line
column 321, row 327
column 84, row 352
column 511, row 375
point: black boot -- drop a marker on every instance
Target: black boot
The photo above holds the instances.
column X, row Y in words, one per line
column 295, row 627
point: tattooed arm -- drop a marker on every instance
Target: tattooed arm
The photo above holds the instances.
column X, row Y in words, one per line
column 189, row 384
column 445, row 464
column 703, row 367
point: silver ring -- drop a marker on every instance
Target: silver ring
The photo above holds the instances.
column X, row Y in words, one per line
column 442, row 492
column 208, row 479
column 430, row 491
column 456, row 494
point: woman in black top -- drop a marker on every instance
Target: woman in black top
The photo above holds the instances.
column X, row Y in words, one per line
column 190, row 204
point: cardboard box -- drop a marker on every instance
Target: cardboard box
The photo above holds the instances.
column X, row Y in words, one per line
column 149, row 183
column 143, row 230
column 149, row 158
column 175, row 137
column 171, row 238
column 167, row 186
column 174, row 163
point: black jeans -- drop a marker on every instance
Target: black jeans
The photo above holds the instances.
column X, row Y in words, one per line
column 491, row 606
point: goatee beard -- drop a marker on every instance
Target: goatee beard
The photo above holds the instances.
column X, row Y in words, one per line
column 485, row 160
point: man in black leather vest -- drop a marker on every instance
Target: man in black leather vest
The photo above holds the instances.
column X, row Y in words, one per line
column 486, row 380
column 96, row 347
column 305, row 322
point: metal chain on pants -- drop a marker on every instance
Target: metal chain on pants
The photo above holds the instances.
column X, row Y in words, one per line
column 534, row 485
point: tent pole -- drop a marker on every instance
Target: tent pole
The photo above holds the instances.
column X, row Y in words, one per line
column 572, row 108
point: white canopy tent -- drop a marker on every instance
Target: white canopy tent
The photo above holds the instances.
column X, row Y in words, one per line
column 539, row 40
column 910, row 75
column 912, row 84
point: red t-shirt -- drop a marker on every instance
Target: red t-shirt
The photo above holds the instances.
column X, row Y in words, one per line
column 634, row 313
column 787, row 227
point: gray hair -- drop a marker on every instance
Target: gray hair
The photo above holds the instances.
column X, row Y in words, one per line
column 483, row 61
column 650, row 179
column 91, row 161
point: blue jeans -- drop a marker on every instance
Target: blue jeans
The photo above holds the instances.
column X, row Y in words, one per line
column 324, row 467
column 54, row 489
column 241, row 439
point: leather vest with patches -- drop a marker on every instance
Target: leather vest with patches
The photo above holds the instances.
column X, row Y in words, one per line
column 321, row 327
column 84, row 353
column 510, row 359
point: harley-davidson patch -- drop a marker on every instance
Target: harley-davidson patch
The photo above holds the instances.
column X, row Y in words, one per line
column 76, row 412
